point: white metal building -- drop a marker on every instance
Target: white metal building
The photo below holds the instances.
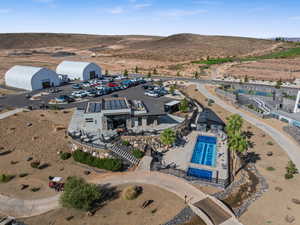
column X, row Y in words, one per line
column 79, row 70
column 31, row 78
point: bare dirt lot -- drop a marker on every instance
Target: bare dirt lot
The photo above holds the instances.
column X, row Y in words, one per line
column 40, row 135
column 271, row 69
column 276, row 204
column 121, row 212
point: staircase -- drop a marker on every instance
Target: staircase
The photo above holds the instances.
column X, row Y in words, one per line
column 124, row 154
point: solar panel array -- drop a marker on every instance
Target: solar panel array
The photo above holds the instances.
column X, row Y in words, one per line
column 115, row 104
column 93, row 107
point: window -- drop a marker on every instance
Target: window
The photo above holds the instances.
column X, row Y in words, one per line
column 89, row 120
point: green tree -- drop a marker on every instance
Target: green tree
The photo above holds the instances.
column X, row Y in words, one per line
column 172, row 89
column 196, row 75
column 168, row 137
column 136, row 69
column 246, row 80
column 125, row 73
column 184, row 105
column 234, row 125
column 106, row 73
column 178, row 74
column 155, row 71
column 79, row 195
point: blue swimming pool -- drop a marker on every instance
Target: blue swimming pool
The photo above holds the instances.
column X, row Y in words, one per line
column 204, row 174
column 205, row 151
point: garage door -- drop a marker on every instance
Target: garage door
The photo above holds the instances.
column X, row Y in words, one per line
column 46, row 84
column 92, row 75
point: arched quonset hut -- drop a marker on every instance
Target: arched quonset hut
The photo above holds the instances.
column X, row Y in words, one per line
column 31, row 78
column 79, row 70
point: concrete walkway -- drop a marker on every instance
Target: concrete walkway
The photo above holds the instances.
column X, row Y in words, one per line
column 10, row 113
column 27, row 208
column 284, row 142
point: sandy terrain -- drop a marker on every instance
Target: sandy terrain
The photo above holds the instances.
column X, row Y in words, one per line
column 274, row 205
column 271, row 69
column 169, row 55
column 41, row 141
column 121, row 212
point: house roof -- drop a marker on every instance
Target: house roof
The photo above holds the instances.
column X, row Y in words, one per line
column 209, row 116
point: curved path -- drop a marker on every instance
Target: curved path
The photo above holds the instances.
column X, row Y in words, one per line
column 180, row 187
column 284, row 142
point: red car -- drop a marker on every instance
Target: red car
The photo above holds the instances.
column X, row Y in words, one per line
column 112, row 85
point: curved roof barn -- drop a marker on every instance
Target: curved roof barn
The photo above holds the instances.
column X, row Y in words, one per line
column 31, row 78
column 79, row 70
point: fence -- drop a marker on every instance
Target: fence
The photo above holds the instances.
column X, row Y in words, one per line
column 183, row 174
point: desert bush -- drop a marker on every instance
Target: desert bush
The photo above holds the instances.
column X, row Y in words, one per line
column 65, row 155
column 23, row 174
column 107, row 164
column 270, row 168
column 131, row 192
column 270, row 143
column 35, row 164
column 126, row 143
column 35, row 189
column 80, row 195
column 291, row 170
column 4, row 178
column 137, row 153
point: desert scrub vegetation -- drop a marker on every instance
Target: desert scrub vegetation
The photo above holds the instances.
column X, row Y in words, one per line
column 88, row 159
column 4, row 178
column 80, row 195
column 131, row 192
column 270, row 168
column 137, row 153
column 291, row 170
column 65, row 155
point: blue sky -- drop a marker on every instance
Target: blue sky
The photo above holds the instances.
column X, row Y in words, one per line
column 256, row 18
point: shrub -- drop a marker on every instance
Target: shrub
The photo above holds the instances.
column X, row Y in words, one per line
column 270, row 168
column 291, row 170
column 107, row 164
column 126, row 143
column 137, row 153
column 23, row 174
column 65, row 155
column 131, row 192
column 270, row 143
column 168, row 137
column 184, row 105
column 288, row 176
column 4, row 178
column 35, row 189
column 80, row 195
column 35, row 164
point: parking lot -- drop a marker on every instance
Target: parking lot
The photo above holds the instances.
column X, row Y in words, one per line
column 154, row 104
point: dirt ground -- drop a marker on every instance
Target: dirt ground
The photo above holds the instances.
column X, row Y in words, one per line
column 42, row 140
column 120, row 212
column 276, row 204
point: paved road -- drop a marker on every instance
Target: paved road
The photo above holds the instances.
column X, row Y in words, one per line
column 10, row 113
column 291, row 148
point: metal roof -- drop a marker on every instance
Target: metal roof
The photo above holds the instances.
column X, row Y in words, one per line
column 93, row 107
column 115, row 104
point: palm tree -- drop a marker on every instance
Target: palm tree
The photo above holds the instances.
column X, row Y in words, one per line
column 237, row 142
column 234, row 125
column 168, row 137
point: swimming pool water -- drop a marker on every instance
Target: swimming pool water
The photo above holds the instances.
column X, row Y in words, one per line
column 205, row 151
column 204, row 174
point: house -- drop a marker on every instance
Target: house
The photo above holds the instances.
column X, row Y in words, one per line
column 79, row 70
column 208, row 119
column 31, row 78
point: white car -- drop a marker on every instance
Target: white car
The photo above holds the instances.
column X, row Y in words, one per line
column 79, row 94
column 151, row 94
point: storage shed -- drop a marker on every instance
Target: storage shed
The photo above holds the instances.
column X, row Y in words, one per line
column 79, row 70
column 31, row 78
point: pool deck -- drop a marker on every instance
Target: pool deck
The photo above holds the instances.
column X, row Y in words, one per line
column 182, row 156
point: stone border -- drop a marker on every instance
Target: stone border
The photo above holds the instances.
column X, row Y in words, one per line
column 263, row 187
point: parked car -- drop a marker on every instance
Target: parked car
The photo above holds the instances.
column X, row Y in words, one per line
column 92, row 93
column 111, row 84
column 53, row 90
column 115, row 96
column 79, row 94
column 76, row 86
column 151, row 94
column 64, row 98
column 86, row 84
